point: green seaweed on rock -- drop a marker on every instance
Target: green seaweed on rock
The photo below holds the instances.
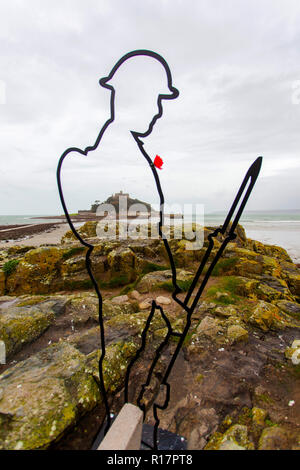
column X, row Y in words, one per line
column 10, row 266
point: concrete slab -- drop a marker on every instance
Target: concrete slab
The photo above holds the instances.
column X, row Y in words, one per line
column 126, row 431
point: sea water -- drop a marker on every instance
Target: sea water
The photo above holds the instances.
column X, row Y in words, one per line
column 281, row 228
column 25, row 220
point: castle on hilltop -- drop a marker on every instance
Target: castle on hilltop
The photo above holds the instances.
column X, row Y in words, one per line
column 116, row 200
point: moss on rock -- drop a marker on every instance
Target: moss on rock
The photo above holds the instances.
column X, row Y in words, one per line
column 20, row 326
column 121, row 262
column 163, row 280
column 235, row 438
column 2, row 283
column 237, row 333
column 117, row 358
column 44, row 396
column 266, row 316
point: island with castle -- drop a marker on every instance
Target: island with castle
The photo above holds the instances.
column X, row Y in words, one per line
column 122, row 202
column 124, row 205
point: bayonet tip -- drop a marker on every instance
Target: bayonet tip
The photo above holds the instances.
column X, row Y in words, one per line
column 255, row 167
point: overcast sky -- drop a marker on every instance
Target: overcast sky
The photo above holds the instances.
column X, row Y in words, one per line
column 235, row 63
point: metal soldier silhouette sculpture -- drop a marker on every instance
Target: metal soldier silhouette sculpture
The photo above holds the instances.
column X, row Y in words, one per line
column 188, row 304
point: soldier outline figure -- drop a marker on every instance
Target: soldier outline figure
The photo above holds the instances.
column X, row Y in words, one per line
column 227, row 229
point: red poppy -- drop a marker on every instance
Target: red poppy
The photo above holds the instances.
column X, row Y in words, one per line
column 158, row 162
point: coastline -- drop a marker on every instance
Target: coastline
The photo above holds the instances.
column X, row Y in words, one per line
column 287, row 239
column 52, row 232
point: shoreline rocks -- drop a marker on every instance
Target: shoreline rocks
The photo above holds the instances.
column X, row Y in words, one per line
column 49, row 324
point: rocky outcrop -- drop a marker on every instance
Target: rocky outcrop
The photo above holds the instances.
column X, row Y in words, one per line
column 24, row 322
column 163, row 280
column 45, row 395
column 266, row 316
column 237, row 371
column 235, row 438
column 115, row 263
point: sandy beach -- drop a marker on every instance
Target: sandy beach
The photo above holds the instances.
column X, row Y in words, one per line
column 49, row 235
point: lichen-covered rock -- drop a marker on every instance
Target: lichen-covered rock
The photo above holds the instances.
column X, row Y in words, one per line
column 245, row 287
column 237, row 333
column 293, row 281
column 291, row 308
column 268, row 293
column 277, row 283
column 267, row 288
column 250, row 264
column 235, row 438
column 56, row 303
column 272, row 251
column 84, row 307
column 187, row 252
column 273, row 438
column 111, row 310
column 259, row 416
column 115, row 363
column 87, row 230
column 36, row 272
column 241, row 235
column 21, row 325
column 43, row 396
column 73, row 271
column 133, row 324
column 122, row 263
column 88, row 341
column 266, row 316
column 123, row 326
column 46, row 270
column 247, row 266
column 163, row 280
column 104, row 247
column 291, row 274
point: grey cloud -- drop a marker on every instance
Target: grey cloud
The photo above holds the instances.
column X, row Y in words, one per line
column 234, row 63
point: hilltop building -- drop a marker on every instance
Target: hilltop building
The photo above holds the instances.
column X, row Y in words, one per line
column 116, row 199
